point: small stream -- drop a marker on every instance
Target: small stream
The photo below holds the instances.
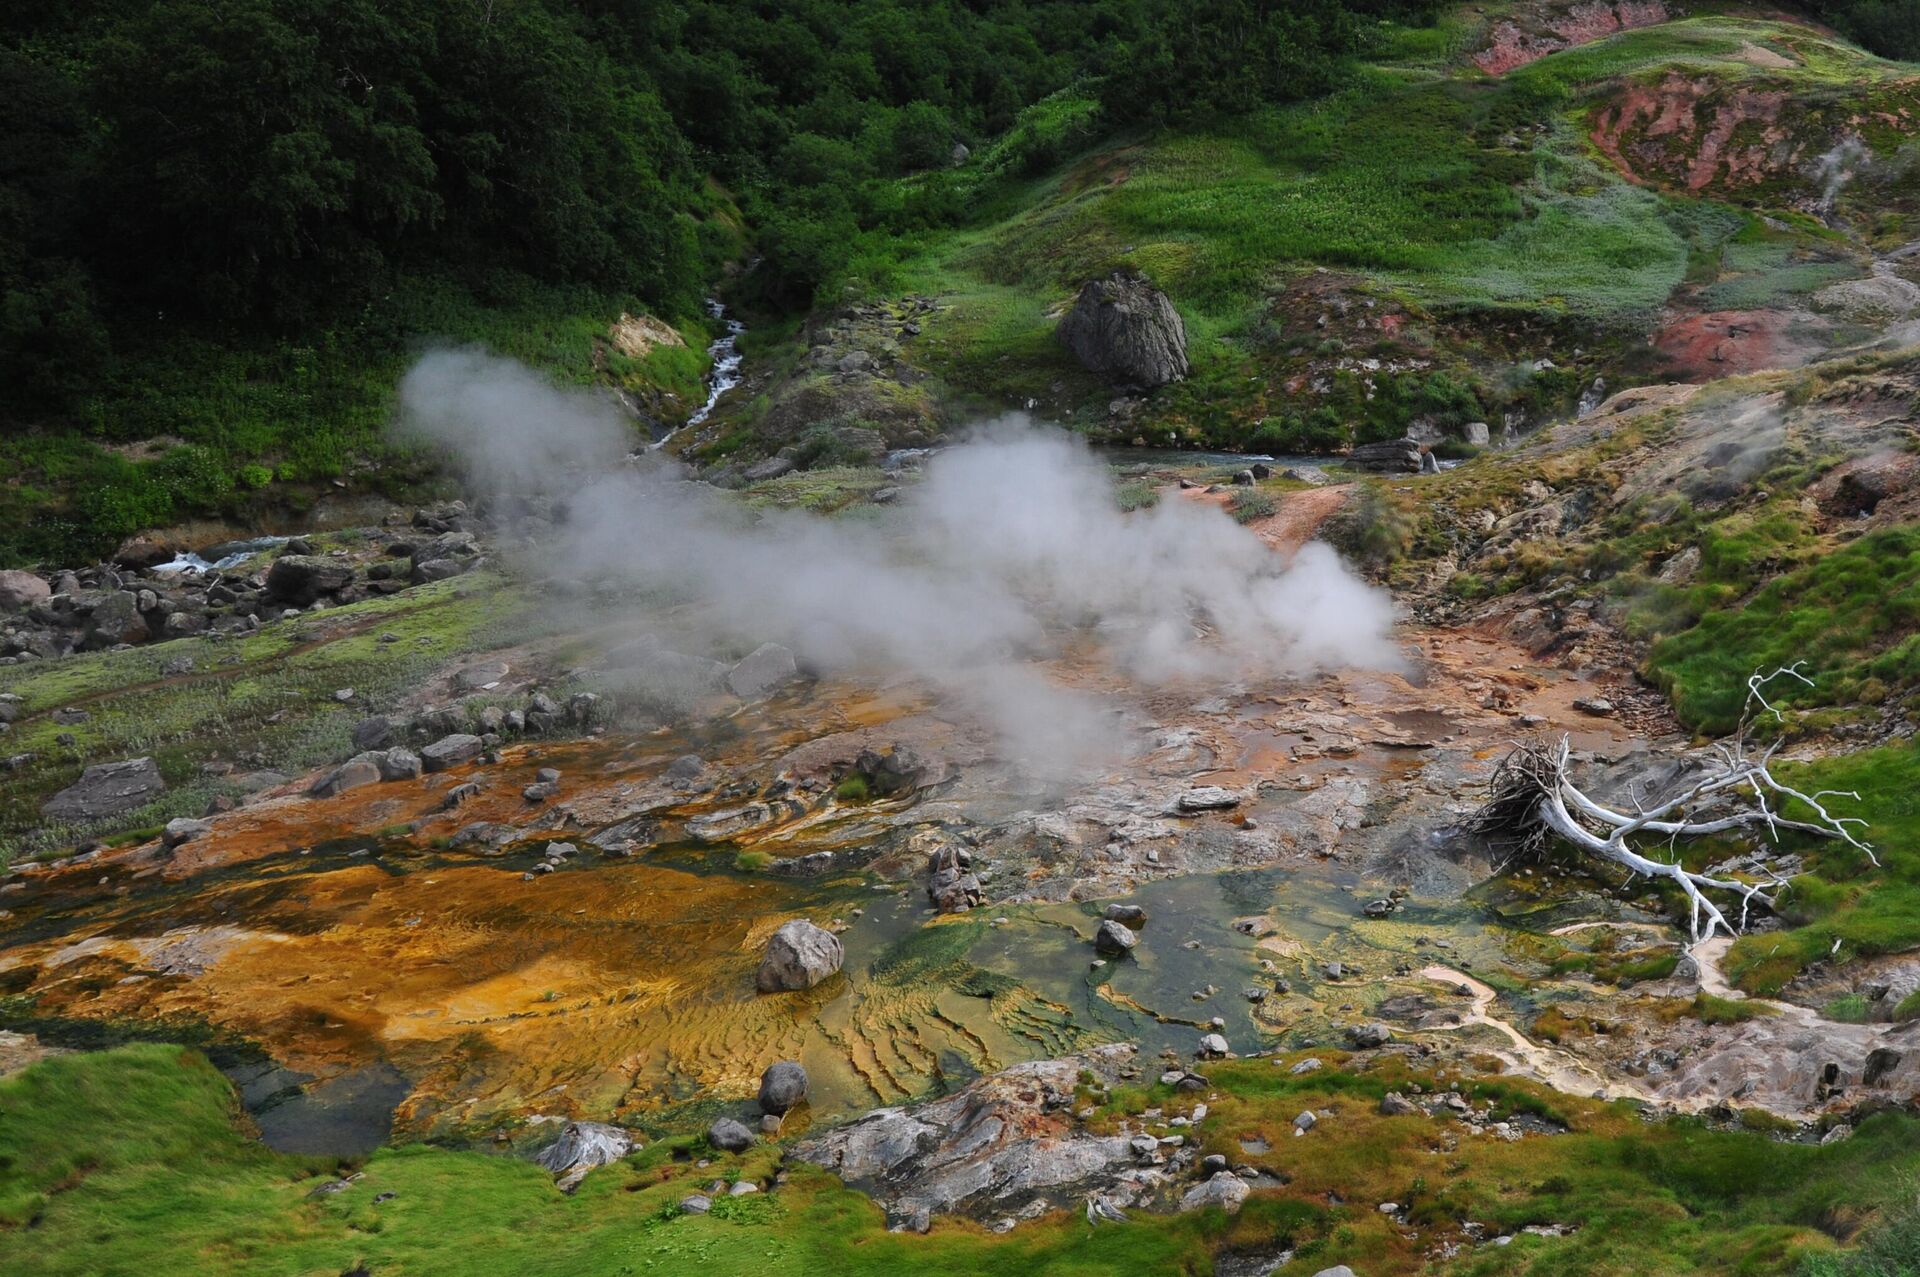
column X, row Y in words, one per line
column 724, row 350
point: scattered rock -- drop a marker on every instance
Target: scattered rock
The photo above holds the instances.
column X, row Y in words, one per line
column 1365, row 1037
column 358, row 771
column 1206, row 798
column 1394, row 1104
column 21, row 590
column 300, row 580
column 1224, row 1189
column 1126, row 915
column 451, row 751
column 1113, row 939
column 182, row 830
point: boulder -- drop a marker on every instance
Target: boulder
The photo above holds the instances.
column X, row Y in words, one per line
column 582, row 1146
column 696, row 1204
column 799, row 956
column 1365, row 1037
column 181, row 830
column 1476, row 433
column 1132, row 916
column 1394, row 1104
column 21, row 590
column 1395, row 456
column 730, row 1136
column 1125, row 329
column 107, row 789
column 450, row 751
column 372, row 733
column 299, row 580
column 767, row 667
column 1206, row 798
column 357, row 772
column 782, row 1086
column 1223, row 1189
column 141, row 553
column 399, row 763
column 116, row 619
column 1213, row 1046
column 1113, row 939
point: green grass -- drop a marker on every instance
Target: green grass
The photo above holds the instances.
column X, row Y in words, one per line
column 135, row 1160
column 1851, row 615
column 1843, row 907
column 251, row 421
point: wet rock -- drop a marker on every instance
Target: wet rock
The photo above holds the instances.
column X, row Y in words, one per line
column 894, row 772
column 1224, row 1189
column 582, row 1147
column 1132, row 916
column 451, row 751
column 300, row 580
column 1126, row 330
column 730, row 1136
column 107, row 789
column 22, row 590
column 799, row 956
column 782, row 1086
column 766, row 668
column 950, row 886
column 1206, row 798
column 1113, row 939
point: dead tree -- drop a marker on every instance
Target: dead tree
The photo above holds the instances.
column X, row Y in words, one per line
column 1534, row 801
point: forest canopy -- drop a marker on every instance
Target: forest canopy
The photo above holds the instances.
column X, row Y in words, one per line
column 276, row 163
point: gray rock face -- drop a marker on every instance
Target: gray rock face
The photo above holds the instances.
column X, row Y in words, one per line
column 450, row 751
column 729, row 1135
column 1223, row 1189
column 1125, row 329
column 300, row 579
column 21, row 590
column 799, row 956
column 767, row 667
column 1114, row 939
column 582, row 1146
column 107, row 789
column 782, row 1086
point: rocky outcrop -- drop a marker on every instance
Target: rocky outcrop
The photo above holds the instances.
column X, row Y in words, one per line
column 107, row 789
column 799, row 956
column 582, row 1147
column 1125, row 329
column 1005, row 1145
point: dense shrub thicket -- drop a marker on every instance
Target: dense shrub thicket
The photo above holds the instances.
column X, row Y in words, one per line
column 275, row 164
column 1890, row 28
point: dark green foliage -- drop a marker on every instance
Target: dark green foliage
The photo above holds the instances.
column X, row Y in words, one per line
column 1890, row 28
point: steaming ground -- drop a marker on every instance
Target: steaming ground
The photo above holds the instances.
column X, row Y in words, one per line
column 1011, row 549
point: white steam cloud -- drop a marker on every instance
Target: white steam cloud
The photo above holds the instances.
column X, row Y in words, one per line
column 1012, row 548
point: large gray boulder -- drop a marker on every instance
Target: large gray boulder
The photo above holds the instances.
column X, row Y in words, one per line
column 782, row 1086
column 1125, row 329
column 582, row 1146
column 21, row 590
column 300, row 579
column 116, row 619
column 107, row 789
column 799, row 956
column 356, row 773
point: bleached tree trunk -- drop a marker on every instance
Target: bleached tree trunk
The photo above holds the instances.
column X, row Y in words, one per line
column 1535, row 799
